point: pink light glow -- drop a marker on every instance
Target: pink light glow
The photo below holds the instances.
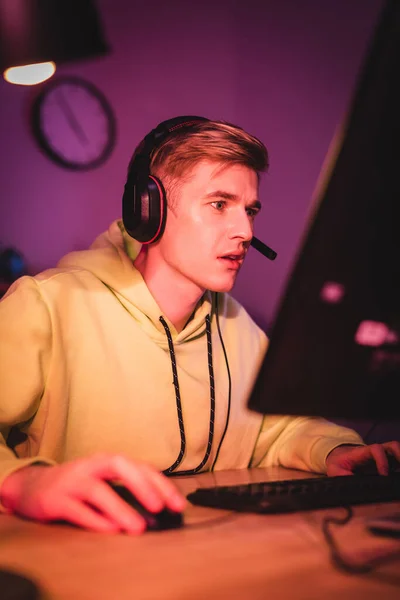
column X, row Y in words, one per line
column 372, row 333
column 332, row 292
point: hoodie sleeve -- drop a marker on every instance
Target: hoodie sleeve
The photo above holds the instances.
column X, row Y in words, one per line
column 25, row 351
column 300, row 442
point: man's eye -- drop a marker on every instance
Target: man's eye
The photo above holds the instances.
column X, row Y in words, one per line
column 218, row 204
column 252, row 212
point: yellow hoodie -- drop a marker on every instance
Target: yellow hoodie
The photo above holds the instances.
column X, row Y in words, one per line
column 85, row 368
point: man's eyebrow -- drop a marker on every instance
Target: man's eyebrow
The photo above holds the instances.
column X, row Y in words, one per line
column 229, row 196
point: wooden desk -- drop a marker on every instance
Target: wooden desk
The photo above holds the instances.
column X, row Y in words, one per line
column 242, row 556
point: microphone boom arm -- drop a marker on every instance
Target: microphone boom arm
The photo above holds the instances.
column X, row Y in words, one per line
column 263, row 248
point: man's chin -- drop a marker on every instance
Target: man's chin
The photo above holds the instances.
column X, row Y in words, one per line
column 222, row 287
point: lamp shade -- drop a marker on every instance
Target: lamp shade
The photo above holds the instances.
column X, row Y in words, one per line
column 38, row 31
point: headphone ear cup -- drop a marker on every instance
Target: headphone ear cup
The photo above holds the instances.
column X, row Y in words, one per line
column 144, row 209
column 157, row 210
column 144, row 204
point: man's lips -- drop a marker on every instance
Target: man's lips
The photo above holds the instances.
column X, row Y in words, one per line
column 234, row 256
column 233, row 260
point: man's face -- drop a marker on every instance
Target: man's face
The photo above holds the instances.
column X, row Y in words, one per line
column 210, row 226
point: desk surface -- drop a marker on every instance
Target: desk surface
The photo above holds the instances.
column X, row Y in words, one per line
column 214, row 556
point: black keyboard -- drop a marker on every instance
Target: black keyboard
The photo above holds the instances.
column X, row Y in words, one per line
column 300, row 494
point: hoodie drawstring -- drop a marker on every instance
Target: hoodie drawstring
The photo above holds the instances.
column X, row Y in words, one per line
column 179, row 404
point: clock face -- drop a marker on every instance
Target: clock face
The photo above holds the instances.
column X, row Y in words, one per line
column 74, row 123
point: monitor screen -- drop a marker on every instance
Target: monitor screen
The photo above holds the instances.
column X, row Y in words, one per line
column 335, row 340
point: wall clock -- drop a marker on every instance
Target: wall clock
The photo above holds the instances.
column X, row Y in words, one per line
column 74, row 123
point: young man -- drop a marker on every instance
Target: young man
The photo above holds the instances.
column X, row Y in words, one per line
column 128, row 360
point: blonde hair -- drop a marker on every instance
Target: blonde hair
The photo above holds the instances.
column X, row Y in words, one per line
column 216, row 141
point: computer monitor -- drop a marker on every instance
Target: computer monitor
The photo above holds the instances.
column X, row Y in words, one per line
column 335, row 341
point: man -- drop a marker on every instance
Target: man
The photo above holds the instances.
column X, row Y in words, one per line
column 128, row 360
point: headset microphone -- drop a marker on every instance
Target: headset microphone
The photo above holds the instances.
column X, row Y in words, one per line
column 263, row 248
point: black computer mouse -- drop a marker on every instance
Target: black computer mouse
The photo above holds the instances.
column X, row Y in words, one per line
column 369, row 466
column 15, row 586
column 165, row 519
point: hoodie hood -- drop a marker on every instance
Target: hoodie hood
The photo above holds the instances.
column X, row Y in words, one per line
column 111, row 260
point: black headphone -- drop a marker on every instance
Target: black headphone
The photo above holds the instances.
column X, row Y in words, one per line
column 144, row 204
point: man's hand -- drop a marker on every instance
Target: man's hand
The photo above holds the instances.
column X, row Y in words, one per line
column 77, row 492
column 344, row 460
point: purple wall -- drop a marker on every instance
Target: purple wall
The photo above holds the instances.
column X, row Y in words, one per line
column 285, row 70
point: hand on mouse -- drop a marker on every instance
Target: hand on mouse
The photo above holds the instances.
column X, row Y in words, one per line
column 344, row 460
column 77, row 492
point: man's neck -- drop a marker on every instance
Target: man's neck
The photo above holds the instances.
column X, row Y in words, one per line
column 176, row 297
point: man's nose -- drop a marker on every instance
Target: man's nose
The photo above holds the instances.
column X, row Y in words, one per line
column 242, row 227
